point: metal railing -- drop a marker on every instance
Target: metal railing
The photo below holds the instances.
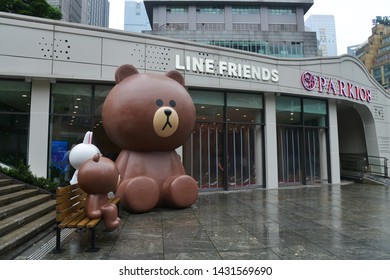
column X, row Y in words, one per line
column 355, row 166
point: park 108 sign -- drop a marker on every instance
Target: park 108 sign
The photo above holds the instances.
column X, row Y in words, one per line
column 336, row 87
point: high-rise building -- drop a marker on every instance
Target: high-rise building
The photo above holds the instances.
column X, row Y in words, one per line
column 351, row 50
column 91, row 12
column 325, row 28
column 72, row 10
column 375, row 54
column 136, row 19
column 98, row 12
column 267, row 27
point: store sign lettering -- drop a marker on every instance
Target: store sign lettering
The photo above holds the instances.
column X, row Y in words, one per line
column 231, row 69
column 336, row 87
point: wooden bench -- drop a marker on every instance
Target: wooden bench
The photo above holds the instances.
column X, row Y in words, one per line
column 70, row 202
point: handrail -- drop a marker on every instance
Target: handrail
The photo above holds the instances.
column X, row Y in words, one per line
column 378, row 166
column 356, row 165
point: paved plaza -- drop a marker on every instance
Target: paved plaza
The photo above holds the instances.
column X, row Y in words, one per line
column 349, row 221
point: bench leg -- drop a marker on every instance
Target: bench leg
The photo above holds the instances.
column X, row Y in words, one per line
column 58, row 241
column 93, row 248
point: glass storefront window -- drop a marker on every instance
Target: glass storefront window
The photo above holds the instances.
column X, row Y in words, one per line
column 15, row 96
column 314, row 112
column 13, row 138
column 75, row 109
column 14, row 121
column 288, row 110
column 243, row 107
column 65, row 132
column 74, row 99
column 208, row 105
column 100, row 93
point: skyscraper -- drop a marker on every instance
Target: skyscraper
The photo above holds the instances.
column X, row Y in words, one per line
column 98, row 12
column 91, row 12
column 136, row 19
column 273, row 27
column 72, row 10
column 325, row 28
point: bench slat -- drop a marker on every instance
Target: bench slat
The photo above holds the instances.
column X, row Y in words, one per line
column 93, row 223
column 63, row 206
column 83, row 223
column 74, row 223
column 67, row 196
column 62, row 190
column 70, row 212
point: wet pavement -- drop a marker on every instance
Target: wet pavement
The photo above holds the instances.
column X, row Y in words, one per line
column 327, row 222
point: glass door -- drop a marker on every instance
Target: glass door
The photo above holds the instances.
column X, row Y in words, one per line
column 225, row 148
column 289, row 155
column 315, row 155
column 301, row 140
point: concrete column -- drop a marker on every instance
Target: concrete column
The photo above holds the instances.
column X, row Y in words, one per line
column 259, row 153
column 334, row 143
column 39, row 127
column 323, row 155
column 270, row 142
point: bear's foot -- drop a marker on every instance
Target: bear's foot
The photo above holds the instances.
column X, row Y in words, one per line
column 110, row 216
column 141, row 194
column 180, row 192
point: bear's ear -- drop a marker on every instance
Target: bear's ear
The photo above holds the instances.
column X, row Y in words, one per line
column 96, row 157
column 177, row 76
column 124, row 71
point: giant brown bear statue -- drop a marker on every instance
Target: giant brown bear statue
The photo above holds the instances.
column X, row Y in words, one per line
column 148, row 116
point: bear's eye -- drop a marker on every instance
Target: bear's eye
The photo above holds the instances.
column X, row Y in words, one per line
column 172, row 103
column 159, row 102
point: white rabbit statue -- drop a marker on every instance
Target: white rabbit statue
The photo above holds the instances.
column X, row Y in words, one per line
column 81, row 153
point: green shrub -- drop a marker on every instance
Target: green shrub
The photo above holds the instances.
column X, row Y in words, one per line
column 22, row 173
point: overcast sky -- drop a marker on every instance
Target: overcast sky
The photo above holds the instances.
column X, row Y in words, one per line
column 353, row 18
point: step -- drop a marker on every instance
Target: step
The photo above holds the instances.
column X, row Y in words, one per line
column 16, row 196
column 21, row 205
column 21, row 235
column 6, row 189
column 22, row 218
column 4, row 182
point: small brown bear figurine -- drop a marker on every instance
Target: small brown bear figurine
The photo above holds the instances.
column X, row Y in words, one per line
column 97, row 177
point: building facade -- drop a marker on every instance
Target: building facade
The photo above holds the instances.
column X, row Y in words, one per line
column 325, row 28
column 266, row 27
column 262, row 121
column 375, row 54
column 136, row 19
column 376, row 44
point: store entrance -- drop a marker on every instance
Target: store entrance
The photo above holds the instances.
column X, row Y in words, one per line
column 301, row 155
column 225, row 148
column 301, row 141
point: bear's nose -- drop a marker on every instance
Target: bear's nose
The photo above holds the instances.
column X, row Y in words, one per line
column 167, row 112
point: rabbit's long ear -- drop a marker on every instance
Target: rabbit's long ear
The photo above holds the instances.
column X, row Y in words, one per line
column 88, row 138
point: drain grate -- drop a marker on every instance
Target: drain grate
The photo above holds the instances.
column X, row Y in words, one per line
column 50, row 245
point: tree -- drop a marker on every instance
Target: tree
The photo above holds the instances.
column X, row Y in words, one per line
column 36, row 8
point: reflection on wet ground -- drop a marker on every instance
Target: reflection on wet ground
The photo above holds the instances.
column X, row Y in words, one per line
column 318, row 222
